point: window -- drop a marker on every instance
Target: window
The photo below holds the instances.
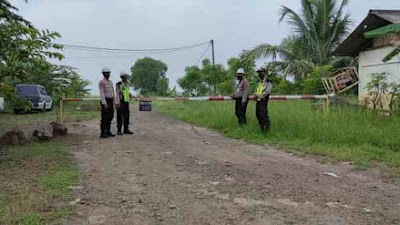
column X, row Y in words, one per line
column 27, row 90
column 43, row 91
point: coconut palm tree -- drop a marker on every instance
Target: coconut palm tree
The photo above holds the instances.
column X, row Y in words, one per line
column 318, row 29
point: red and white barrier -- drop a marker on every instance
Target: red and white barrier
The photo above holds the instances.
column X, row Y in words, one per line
column 215, row 98
column 205, row 98
column 227, row 98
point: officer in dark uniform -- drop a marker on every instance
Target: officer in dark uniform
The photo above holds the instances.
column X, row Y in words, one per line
column 122, row 100
column 263, row 91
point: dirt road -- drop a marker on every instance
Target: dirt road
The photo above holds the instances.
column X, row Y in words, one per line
column 170, row 172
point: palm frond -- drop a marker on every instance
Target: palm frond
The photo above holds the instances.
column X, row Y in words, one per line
column 324, row 13
column 271, row 51
column 318, row 29
column 293, row 19
column 299, row 67
column 340, row 26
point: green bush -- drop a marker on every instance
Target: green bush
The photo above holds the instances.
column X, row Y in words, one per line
column 285, row 87
column 313, row 82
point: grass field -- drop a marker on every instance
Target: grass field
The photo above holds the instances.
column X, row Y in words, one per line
column 34, row 178
column 344, row 134
column 34, row 184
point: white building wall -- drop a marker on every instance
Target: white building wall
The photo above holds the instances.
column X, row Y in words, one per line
column 371, row 62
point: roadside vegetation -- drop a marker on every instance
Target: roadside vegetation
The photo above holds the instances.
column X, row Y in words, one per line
column 34, row 183
column 35, row 178
column 10, row 121
column 24, row 58
column 344, row 134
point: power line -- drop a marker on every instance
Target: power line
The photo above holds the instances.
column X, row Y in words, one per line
column 104, row 49
column 202, row 56
column 119, row 56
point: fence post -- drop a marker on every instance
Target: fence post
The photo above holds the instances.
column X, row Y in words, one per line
column 62, row 111
column 327, row 103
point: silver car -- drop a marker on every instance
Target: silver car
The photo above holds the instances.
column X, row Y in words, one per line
column 37, row 95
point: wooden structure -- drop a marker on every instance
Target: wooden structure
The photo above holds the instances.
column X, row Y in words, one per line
column 341, row 81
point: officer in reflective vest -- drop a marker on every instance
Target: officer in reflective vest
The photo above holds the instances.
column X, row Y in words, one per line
column 263, row 91
column 122, row 99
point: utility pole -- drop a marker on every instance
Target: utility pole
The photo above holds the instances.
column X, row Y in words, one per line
column 213, row 61
column 213, row 54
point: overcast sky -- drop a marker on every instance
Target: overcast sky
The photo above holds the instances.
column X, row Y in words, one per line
column 235, row 25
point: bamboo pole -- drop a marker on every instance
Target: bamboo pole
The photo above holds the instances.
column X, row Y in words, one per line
column 62, row 111
column 327, row 103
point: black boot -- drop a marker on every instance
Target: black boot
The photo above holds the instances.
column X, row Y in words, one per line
column 264, row 129
column 109, row 134
column 103, row 135
column 128, row 132
column 119, row 132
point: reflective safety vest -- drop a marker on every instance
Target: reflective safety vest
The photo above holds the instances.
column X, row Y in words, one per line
column 261, row 88
column 125, row 93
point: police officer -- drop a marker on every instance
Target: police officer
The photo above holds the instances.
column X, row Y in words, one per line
column 241, row 96
column 263, row 91
column 107, row 104
column 123, row 96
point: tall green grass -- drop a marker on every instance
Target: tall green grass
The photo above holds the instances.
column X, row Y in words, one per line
column 345, row 133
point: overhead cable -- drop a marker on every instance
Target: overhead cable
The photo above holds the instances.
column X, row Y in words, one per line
column 104, row 49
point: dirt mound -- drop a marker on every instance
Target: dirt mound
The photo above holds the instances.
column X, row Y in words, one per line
column 48, row 132
column 59, row 130
column 339, row 101
column 14, row 137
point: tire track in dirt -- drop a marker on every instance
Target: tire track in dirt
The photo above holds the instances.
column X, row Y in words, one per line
column 170, row 172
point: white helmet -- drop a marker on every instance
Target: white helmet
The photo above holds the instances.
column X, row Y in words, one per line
column 240, row 71
column 106, row 70
column 124, row 74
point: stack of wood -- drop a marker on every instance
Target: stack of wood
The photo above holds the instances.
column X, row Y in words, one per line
column 341, row 81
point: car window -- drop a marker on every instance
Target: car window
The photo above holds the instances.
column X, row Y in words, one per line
column 27, row 90
column 43, row 91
